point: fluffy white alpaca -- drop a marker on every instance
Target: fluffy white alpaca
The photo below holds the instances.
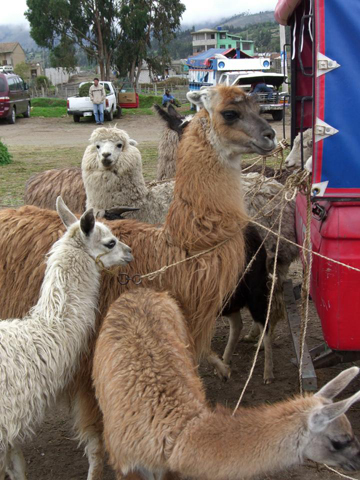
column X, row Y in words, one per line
column 40, row 352
column 112, row 175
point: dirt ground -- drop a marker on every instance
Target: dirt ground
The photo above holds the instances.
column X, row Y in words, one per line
column 64, row 132
column 52, row 454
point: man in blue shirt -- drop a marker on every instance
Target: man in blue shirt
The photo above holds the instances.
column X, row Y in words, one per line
column 168, row 98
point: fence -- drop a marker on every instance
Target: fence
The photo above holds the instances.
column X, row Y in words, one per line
column 70, row 90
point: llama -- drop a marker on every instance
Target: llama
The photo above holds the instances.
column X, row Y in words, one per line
column 48, row 342
column 112, row 176
column 43, row 188
column 207, row 210
column 169, row 140
column 156, row 419
column 259, row 191
column 294, row 157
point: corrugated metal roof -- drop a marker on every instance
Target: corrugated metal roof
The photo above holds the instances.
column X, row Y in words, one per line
column 284, row 10
column 8, row 47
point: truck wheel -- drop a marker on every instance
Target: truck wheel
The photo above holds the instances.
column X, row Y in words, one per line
column 110, row 116
column 76, row 118
column 12, row 118
column 277, row 115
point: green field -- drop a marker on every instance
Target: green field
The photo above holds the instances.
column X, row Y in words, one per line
column 30, row 160
column 56, row 107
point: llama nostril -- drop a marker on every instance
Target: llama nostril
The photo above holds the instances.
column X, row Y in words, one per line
column 106, row 155
column 269, row 133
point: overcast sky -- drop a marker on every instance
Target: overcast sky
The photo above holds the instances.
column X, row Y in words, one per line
column 196, row 10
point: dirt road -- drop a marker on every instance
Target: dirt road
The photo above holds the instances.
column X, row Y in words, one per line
column 64, row 132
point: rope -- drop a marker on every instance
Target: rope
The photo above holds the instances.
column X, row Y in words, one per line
column 305, row 290
column 153, row 275
column 271, row 295
column 338, row 473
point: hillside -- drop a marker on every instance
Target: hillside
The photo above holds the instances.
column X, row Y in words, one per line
column 243, row 19
column 17, row 33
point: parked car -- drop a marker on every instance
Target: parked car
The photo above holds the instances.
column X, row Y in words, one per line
column 14, row 97
column 83, row 107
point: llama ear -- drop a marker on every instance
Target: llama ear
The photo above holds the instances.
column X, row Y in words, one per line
column 67, row 217
column 337, row 384
column 132, row 142
column 87, row 222
column 197, row 97
column 321, row 417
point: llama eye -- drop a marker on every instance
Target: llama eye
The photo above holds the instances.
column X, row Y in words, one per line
column 339, row 445
column 230, row 115
column 119, row 145
column 111, row 244
column 97, row 146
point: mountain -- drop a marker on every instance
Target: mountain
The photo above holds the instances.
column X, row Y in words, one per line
column 17, row 33
column 244, row 19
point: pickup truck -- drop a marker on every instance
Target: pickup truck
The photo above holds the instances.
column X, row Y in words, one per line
column 274, row 103
column 83, row 107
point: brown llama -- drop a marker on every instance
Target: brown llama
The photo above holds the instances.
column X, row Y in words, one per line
column 207, row 212
column 156, row 419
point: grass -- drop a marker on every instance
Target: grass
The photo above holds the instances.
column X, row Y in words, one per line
column 30, row 160
column 56, row 107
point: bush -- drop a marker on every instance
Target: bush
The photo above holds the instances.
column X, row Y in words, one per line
column 84, row 89
column 5, row 156
column 42, row 81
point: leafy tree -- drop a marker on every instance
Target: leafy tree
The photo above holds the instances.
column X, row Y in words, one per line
column 113, row 32
column 91, row 24
column 143, row 22
column 23, row 70
column 64, row 55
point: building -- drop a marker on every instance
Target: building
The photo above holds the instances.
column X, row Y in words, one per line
column 207, row 38
column 11, row 54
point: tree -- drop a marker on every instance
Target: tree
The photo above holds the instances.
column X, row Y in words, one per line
column 111, row 31
column 141, row 23
column 23, row 70
column 91, row 24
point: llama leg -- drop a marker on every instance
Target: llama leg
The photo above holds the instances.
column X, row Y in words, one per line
column 89, row 427
column 253, row 334
column 268, row 360
column 236, row 324
column 15, row 464
column 223, row 371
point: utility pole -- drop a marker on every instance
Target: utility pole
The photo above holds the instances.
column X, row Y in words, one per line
column 284, row 67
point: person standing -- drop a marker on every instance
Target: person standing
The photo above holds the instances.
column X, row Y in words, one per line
column 97, row 96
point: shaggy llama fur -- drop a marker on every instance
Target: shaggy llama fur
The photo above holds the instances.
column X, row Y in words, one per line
column 41, row 352
column 112, row 175
column 42, row 189
column 207, row 209
column 156, row 418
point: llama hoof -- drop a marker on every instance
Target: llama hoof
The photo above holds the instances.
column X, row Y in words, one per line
column 268, row 381
column 249, row 339
column 223, row 371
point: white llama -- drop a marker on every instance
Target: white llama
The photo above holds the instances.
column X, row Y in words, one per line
column 40, row 352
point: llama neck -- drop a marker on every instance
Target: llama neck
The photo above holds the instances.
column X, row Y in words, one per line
column 201, row 220
column 70, row 290
column 254, row 442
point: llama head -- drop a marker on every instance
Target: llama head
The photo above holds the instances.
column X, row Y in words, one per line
column 93, row 237
column 110, row 145
column 236, row 125
column 173, row 119
column 294, row 157
column 330, row 436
